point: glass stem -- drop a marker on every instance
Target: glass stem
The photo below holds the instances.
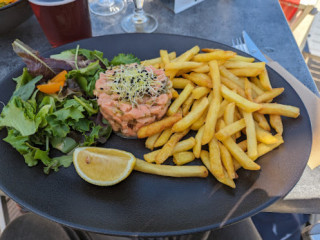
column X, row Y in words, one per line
column 139, row 16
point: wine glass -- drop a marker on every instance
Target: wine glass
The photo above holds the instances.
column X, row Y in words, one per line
column 139, row 21
column 106, row 7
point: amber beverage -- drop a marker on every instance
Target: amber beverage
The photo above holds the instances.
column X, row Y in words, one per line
column 63, row 21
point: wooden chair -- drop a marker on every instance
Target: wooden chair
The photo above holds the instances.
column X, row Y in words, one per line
column 4, row 215
column 296, row 10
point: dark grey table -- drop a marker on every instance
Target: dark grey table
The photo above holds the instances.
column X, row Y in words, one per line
column 218, row 20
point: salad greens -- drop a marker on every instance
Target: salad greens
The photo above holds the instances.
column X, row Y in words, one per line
column 37, row 122
column 124, row 59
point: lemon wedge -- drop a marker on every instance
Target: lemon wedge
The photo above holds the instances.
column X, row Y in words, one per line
column 103, row 166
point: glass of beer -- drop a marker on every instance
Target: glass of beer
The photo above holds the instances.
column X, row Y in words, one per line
column 63, row 21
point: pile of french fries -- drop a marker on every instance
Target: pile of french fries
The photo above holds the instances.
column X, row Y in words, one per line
column 226, row 99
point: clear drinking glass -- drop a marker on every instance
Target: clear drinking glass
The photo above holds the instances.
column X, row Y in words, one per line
column 106, row 7
column 139, row 21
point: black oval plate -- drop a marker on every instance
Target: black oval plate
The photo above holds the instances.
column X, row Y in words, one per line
column 148, row 205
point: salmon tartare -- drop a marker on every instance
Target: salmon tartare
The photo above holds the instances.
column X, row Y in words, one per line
column 132, row 96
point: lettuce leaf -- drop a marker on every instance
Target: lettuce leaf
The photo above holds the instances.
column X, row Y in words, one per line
column 124, row 59
column 38, row 65
column 23, row 79
column 97, row 134
column 85, row 56
column 17, row 141
column 87, row 77
column 25, row 91
column 19, row 115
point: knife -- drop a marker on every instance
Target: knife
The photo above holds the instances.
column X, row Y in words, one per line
column 252, row 48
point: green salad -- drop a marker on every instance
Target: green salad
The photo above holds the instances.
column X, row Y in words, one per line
column 38, row 122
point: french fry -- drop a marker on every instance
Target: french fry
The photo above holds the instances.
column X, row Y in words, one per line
column 191, row 117
column 216, row 55
column 150, row 142
column 180, row 100
column 241, row 58
column 256, row 81
column 164, row 57
column 209, row 50
column 158, row 60
column 180, row 83
column 174, row 93
column 221, row 62
column 256, row 90
column 228, row 115
column 167, row 150
column 200, row 79
column 240, row 101
column 264, row 136
column 156, row 66
column 251, row 135
column 215, row 158
column 225, row 179
column 276, row 123
column 230, row 84
column 196, row 104
column 241, row 157
column 269, row 95
column 222, row 108
column 171, row 74
column 243, row 145
column 248, row 89
column 182, row 158
column 170, row 171
column 214, row 106
column 279, row 109
column 246, row 72
column 237, row 115
column 265, row 148
column 227, row 161
column 262, row 121
column 181, row 72
column 188, row 55
column 159, row 126
column 264, row 80
column 202, row 69
column 227, row 74
column 200, row 92
column 182, row 65
column 197, row 146
column 163, row 138
column 184, row 145
column 240, row 64
column 230, row 129
column 151, row 156
column 220, row 124
column 186, row 105
column 200, row 122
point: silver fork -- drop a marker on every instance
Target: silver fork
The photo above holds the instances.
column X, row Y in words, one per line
column 239, row 43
